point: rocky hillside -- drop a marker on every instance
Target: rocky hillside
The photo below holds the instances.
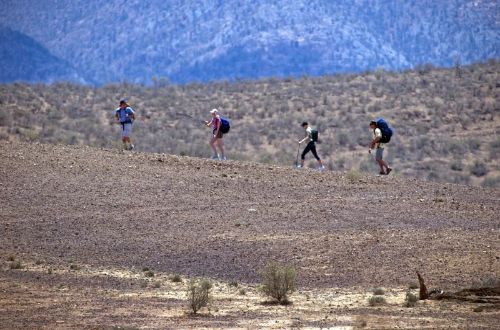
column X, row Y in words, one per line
column 447, row 121
column 24, row 59
column 139, row 41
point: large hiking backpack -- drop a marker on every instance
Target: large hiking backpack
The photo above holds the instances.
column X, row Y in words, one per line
column 224, row 125
column 314, row 135
column 385, row 129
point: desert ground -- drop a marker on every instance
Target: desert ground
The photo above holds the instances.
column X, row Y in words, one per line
column 91, row 238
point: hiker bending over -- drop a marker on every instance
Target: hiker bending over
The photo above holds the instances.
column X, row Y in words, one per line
column 379, row 147
column 311, row 137
column 216, row 140
column 126, row 116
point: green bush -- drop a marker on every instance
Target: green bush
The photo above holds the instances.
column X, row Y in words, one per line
column 16, row 265
column 353, row 176
column 278, row 281
column 198, row 294
column 410, row 299
column 457, row 165
column 376, row 300
column 378, row 291
column 479, row 169
column 176, row 278
column 491, row 182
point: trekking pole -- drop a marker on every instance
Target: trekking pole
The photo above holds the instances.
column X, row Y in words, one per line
column 190, row 117
column 297, row 157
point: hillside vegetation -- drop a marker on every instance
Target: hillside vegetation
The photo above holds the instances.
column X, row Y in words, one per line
column 446, row 120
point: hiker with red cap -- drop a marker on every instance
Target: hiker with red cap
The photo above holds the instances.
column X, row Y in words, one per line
column 125, row 116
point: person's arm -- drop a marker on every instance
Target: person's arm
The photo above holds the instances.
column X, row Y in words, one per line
column 117, row 115
column 377, row 135
column 304, row 140
column 208, row 123
column 307, row 138
column 131, row 114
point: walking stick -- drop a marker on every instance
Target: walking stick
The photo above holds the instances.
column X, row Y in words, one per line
column 297, row 157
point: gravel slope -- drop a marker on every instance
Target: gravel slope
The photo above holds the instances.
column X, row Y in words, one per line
column 196, row 217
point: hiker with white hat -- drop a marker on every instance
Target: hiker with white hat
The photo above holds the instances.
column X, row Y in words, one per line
column 126, row 116
column 217, row 134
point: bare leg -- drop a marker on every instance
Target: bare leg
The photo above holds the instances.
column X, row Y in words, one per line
column 381, row 165
column 220, row 143
column 212, row 145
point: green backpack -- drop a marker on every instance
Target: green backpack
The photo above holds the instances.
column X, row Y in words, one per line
column 314, row 135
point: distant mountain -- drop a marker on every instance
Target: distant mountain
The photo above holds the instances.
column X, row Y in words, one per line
column 184, row 40
column 24, row 59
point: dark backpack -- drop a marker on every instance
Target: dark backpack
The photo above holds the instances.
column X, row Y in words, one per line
column 224, row 125
column 385, row 129
column 314, row 135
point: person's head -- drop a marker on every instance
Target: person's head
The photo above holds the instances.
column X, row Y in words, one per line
column 373, row 124
column 214, row 112
column 123, row 103
column 305, row 124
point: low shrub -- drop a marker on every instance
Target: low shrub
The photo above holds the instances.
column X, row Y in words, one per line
column 479, row 169
column 378, row 291
column 16, row 265
column 353, row 176
column 376, row 300
column 176, row 278
column 278, row 281
column 198, row 294
column 410, row 300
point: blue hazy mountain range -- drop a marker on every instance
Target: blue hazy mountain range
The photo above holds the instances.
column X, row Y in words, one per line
column 136, row 40
column 24, row 59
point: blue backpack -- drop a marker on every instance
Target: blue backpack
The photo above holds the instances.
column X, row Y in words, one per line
column 385, row 129
column 224, row 125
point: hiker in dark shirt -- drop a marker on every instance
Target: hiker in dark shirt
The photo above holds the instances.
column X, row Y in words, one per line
column 311, row 136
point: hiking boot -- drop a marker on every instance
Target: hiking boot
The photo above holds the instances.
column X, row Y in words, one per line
column 299, row 166
column 388, row 170
column 321, row 168
column 223, row 158
column 381, row 173
column 131, row 147
column 215, row 157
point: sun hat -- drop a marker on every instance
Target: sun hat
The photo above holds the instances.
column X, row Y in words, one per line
column 213, row 111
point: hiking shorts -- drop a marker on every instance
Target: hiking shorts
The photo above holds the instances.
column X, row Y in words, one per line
column 219, row 135
column 126, row 129
column 379, row 154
